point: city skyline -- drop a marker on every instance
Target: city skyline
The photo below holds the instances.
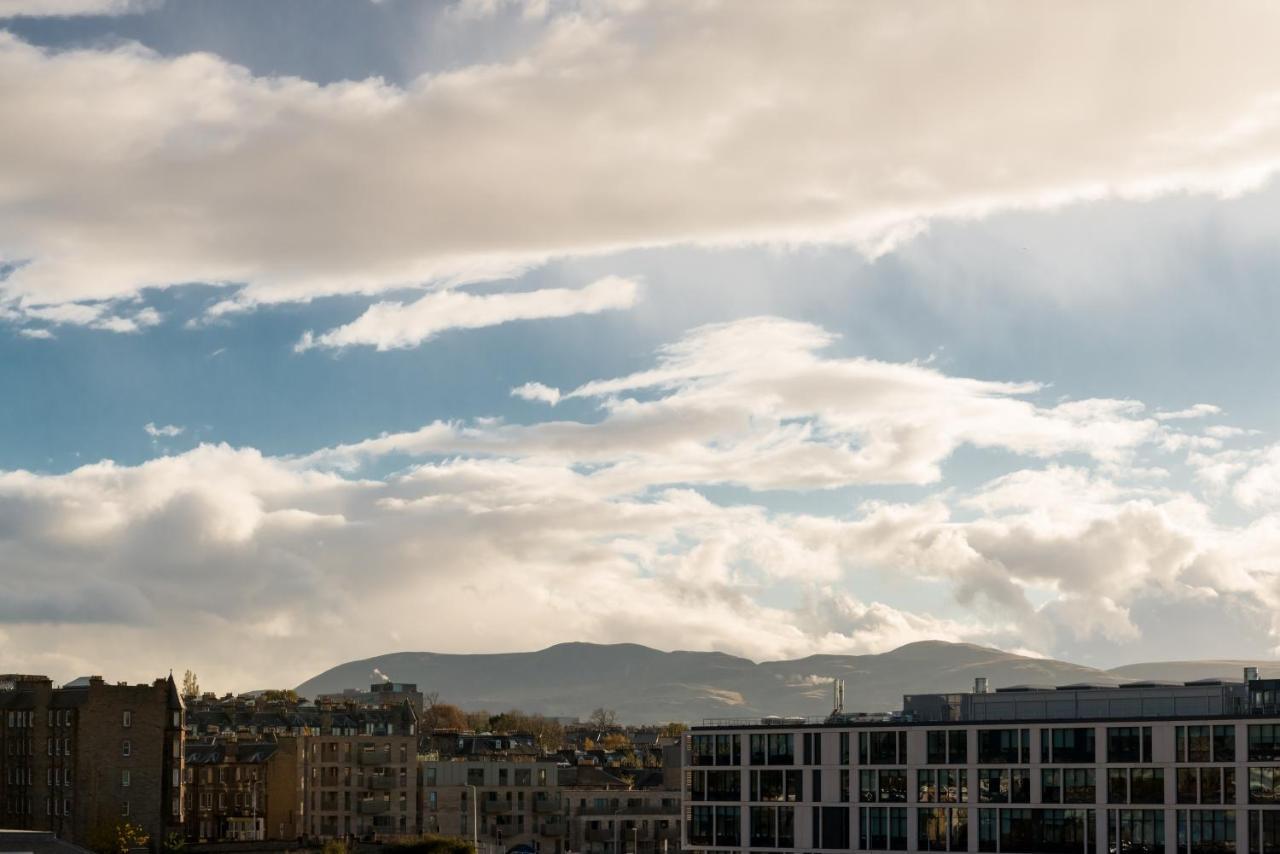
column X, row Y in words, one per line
column 331, row 330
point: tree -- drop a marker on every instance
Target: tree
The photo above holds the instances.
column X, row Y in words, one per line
column 285, row 695
column 673, row 730
column 443, row 716
column 603, row 718
column 190, row 685
column 118, row 838
column 616, row 741
column 478, row 720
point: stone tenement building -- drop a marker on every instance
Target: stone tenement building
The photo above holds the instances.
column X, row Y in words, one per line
column 78, row 759
column 244, row 789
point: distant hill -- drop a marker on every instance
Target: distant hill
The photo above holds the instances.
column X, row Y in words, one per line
column 646, row 685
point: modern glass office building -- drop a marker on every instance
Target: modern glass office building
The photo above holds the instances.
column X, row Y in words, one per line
column 1145, row 768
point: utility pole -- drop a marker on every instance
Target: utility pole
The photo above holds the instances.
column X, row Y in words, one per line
column 475, row 818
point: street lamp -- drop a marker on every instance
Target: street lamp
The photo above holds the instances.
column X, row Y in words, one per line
column 475, row 818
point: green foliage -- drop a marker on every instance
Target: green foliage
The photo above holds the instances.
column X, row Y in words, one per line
column 118, row 838
column 335, row 846
column 173, row 843
column 674, row 729
column 431, row 844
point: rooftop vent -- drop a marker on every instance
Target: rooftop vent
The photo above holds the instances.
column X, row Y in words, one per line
column 980, row 685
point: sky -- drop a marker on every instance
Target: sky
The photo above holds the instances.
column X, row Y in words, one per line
column 331, row 329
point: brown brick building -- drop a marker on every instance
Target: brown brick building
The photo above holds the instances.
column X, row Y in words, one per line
column 245, row 790
column 80, row 758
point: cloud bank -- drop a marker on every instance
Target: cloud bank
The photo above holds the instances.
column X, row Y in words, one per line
column 620, row 126
column 597, row 529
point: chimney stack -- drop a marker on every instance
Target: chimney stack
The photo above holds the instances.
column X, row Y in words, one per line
column 980, row 685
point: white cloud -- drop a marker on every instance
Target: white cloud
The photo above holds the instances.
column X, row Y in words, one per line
column 753, row 402
column 537, row 392
column 1199, row 410
column 167, row 431
column 69, row 8
column 525, row 524
column 623, row 125
column 389, row 325
column 30, row 332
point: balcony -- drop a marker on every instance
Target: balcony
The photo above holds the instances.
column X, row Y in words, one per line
column 554, row 828
column 374, row 806
column 495, row 807
column 375, row 756
column 598, row 835
column 548, row 806
column 382, row 781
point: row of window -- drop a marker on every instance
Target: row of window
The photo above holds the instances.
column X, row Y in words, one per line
column 1059, row 745
column 1194, row 785
column 1027, row 831
column 57, row 776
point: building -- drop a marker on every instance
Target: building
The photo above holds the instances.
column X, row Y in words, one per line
column 79, row 759
column 36, row 842
column 381, row 695
column 1145, row 768
column 244, row 790
column 511, row 800
column 361, row 773
column 500, row 801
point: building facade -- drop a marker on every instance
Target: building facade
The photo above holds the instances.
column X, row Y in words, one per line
column 500, row 802
column 79, row 759
column 1140, row 769
column 244, row 790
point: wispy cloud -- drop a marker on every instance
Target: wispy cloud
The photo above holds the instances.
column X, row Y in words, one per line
column 167, row 431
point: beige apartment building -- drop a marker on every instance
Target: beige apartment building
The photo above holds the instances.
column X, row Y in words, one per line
column 361, row 777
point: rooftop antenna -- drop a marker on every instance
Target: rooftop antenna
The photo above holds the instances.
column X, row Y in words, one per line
column 838, row 686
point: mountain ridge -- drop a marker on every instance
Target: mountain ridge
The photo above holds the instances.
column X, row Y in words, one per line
column 648, row 685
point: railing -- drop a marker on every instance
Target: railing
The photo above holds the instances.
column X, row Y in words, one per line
column 382, row 781
column 548, row 805
column 375, row 756
column 554, row 828
column 495, row 807
column 643, row 809
column 374, row 806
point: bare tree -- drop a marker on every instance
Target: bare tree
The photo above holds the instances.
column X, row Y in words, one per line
column 190, row 685
column 603, row 718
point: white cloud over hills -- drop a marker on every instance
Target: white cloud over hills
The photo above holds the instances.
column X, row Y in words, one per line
column 515, row 536
column 622, row 125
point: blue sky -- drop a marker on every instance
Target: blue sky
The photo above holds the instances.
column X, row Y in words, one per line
column 298, row 296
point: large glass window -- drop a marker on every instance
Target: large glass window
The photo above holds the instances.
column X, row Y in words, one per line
column 1264, row 831
column 1206, row 831
column 892, row 785
column 1264, row 785
column 1135, row 831
column 1264, row 742
column 1208, row 785
column 728, row 830
column 844, row 748
column 953, row 785
column 1051, row 785
column 835, row 827
column 772, row 749
column 1004, row 746
column 882, row 828
column 1224, row 743
column 772, row 827
column 1069, row 744
column 882, row 747
column 1129, row 744
column 1079, row 786
column 777, row 785
column 993, row 786
column 946, row 747
column 942, row 829
column 1146, row 785
column 701, row 825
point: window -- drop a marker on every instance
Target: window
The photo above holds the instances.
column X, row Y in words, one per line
column 1264, row 742
column 1224, row 743
column 127, row 718
column 1264, row 831
column 1129, row 744
column 124, row 777
column 717, row 785
column 772, row 827
column 126, row 747
column 1264, row 785
column 1135, row 831
column 1073, row 744
column 892, row 786
column 1209, row 785
column 882, row 747
column 1078, row 786
column 775, row 785
column 1004, row 746
column 124, row 808
column 844, row 748
column 773, row 749
column 1051, row 785
column 942, row 829
column 1206, row 831
column 882, row 828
